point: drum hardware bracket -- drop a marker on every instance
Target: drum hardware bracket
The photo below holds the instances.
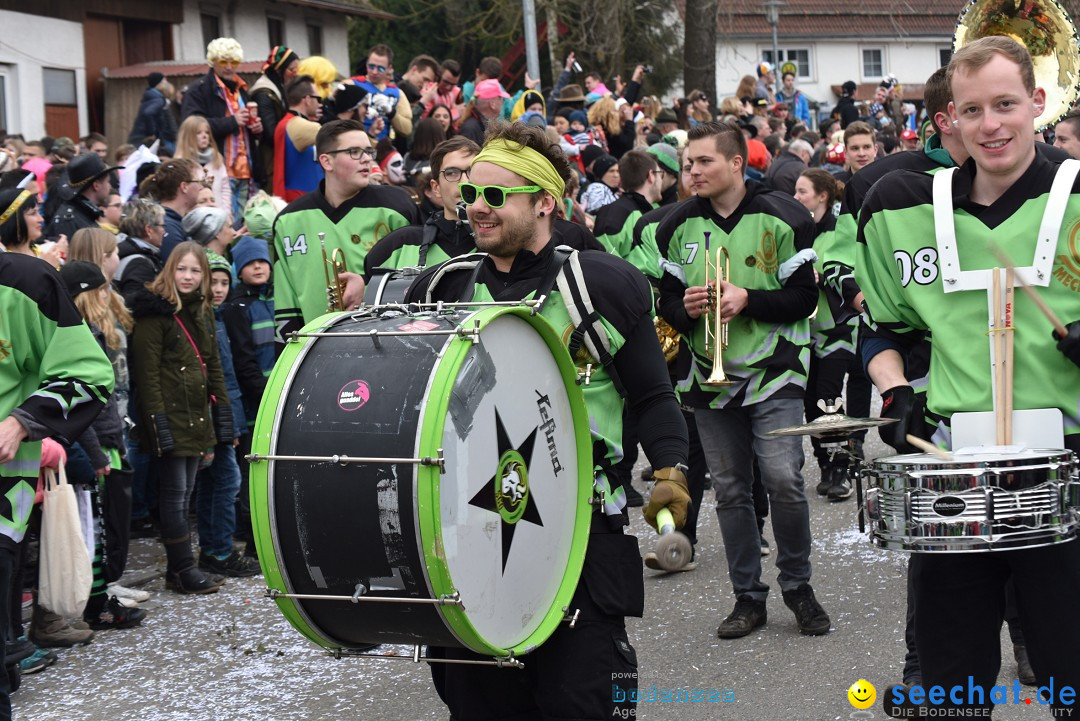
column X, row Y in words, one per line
column 598, row 498
column 571, row 618
column 498, row 661
column 583, row 377
column 449, row 599
column 439, row 460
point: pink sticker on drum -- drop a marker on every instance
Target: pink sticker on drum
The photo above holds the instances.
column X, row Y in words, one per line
column 419, row 325
column 353, row 395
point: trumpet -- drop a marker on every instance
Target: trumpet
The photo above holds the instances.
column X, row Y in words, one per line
column 716, row 331
column 335, row 289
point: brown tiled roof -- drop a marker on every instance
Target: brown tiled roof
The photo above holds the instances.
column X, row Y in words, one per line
column 840, row 19
column 178, row 68
column 359, row 8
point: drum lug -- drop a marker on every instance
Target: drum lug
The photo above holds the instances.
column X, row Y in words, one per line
column 597, row 498
column 572, row 619
column 361, row 590
column 583, row 377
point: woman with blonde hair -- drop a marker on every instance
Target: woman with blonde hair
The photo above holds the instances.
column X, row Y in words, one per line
column 747, row 87
column 183, row 404
column 99, row 247
column 195, row 142
column 613, row 123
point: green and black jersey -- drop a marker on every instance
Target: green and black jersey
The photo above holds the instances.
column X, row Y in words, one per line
column 354, row 226
column 54, row 377
column 834, row 328
column 614, row 228
column 898, row 269
column 768, row 239
column 622, row 300
column 402, row 248
column 643, row 252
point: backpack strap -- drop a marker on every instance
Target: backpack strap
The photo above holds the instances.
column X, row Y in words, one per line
column 430, row 231
column 462, row 262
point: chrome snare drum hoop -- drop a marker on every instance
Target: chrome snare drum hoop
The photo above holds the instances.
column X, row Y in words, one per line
column 982, row 502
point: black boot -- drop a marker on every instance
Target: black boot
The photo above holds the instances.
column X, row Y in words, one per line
column 182, row 576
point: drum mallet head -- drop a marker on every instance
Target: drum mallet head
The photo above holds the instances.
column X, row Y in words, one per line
column 673, row 550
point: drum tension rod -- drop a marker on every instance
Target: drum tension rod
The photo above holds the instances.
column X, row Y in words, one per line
column 583, row 377
column 449, row 599
column 439, row 460
column 573, row 619
column 498, row 661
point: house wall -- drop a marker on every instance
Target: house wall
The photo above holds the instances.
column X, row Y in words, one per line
column 246, row 21
column 23, row 56
column 832, row 62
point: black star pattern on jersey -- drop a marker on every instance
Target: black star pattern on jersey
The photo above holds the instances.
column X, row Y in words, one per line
column 485, row 497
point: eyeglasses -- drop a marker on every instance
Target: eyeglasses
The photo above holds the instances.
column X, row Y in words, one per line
column 372, row 67
column 494, row 195
column 316, row 98
column 447, row 82
column 355, row 152
column 454, row 174
column 204, row 182
column 224, row 63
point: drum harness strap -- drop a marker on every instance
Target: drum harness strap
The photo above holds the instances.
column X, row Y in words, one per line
column 588, row 329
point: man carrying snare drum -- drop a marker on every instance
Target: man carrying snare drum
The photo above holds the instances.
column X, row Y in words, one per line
column 512, row 196
column 999, row 194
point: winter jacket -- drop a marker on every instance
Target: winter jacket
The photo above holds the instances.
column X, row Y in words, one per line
column 154, row 118
column 267, row 97
column 72, row 215
column 169, row 376
column 233, row 386
column 249, row 318
column 174, row 232
column 203, row 97
column 140, row 263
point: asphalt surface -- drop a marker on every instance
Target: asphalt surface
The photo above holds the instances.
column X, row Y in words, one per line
column 232, row 656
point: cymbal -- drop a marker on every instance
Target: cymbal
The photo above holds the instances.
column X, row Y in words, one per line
column 832, row 424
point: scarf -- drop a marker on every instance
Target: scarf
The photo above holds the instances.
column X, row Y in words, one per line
column 237, row 161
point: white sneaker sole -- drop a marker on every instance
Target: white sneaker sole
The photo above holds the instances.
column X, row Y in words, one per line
column 123, row 592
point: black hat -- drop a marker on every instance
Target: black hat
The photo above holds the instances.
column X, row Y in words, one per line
column 86, row 168
column 80, row 276
column 603, row 164
column 348, row 96
column 154, row 78
column 750, row 128
column 666, row 115
column 590, row 153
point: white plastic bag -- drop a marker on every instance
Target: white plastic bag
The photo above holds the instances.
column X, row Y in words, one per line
column 64, row 574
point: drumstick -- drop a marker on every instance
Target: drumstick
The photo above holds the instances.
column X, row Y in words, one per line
column 996, row 357
column 1059, row 327
column 927, row 447
column 1007, row 407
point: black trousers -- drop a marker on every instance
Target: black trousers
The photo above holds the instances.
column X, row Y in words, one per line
column 826, row 382
column 585, row 673
column 960, row 604
column 7, row 570
column 695, row 477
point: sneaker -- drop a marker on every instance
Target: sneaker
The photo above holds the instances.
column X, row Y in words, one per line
column 633, row 498
column 39, row 660
column 193, row 581
column 16, row 651
column 115, row 615
column 841, row 489
column 766, row 549
column 651, row 561
column 52, row 631
column 747, row 615
column 811, row 617
column 233, row 566
column 122, row 592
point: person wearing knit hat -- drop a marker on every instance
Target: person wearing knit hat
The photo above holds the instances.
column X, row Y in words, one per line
column 667, row 157
column 249, row 250
column 515, row 234
column 153, row 79
column 203, row 224
column 605, row 189
column 268, row 93
column 350, row 101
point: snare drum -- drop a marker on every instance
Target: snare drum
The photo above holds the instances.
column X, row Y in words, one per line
column 983, row 502
column 423, row 479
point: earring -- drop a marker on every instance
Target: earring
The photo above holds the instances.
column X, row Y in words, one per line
column 541, row 214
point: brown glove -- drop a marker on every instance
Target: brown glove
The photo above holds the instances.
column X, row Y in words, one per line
column 670, row 491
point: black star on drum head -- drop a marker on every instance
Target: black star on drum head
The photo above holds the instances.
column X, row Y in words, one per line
column 512, row 466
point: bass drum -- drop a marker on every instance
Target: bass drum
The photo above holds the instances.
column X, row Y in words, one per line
column 411, row 458
column 389, row 286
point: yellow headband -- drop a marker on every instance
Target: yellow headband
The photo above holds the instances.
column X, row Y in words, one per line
column 524, row 161
column 15, row 205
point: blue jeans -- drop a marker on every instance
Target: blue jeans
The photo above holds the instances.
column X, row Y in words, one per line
column 216, row 503
column 732, row 438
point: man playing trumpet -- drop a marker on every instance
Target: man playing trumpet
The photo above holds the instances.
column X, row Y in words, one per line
column 755, row 384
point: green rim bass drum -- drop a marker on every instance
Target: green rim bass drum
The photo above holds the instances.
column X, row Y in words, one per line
column 423, row 478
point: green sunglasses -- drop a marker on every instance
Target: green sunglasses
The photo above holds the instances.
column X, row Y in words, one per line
column 494, row 195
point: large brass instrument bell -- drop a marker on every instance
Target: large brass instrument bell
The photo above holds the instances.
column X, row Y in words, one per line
column 716, row 330
column 332, row 268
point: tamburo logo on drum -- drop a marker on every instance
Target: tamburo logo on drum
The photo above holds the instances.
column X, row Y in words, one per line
column 353, row 395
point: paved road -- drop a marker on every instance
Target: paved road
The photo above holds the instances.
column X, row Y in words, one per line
column 232, row 657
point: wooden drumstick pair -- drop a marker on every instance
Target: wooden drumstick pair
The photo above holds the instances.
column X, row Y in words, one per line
column 1001, row 338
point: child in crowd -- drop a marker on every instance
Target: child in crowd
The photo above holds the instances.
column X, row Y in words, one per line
column 249, row 320
column 220, row 483
column 103, row 442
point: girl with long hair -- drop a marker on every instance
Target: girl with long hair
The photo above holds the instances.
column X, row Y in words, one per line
column 195, row 142
column 183, row 404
